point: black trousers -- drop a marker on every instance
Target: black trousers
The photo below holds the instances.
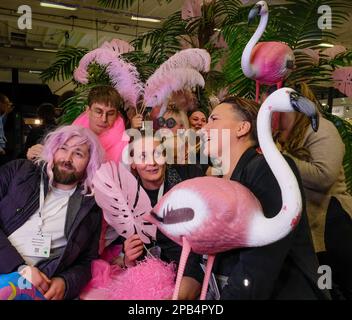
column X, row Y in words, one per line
column 338, row 255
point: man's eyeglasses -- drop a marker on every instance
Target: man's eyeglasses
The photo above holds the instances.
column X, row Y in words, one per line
column 170, row 122
column 99, row 113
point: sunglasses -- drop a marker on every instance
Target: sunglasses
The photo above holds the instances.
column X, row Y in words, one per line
column 170, row 122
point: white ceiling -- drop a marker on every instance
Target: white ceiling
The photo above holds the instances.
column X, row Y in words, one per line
column 87, row 27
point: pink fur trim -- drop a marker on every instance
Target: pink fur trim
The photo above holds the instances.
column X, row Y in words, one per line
column 113, row 140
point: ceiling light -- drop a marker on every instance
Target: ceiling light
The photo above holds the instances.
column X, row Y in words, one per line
column 327, row 45
column 57, row 5
column 45, row 50
column 35, row 71
column 145, row 19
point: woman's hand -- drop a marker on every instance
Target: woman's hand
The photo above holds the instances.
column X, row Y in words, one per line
column 133, row 248
column 137, row 121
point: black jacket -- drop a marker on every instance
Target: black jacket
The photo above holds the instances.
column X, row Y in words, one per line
column 171, row 251
column 19, row 200
column 286, row 269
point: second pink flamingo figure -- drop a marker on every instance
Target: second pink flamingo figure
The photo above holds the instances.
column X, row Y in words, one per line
column 266, row 62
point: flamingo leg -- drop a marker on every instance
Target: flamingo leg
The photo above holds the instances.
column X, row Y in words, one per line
column 186, row 249
column 207, row 275
column 257, row 90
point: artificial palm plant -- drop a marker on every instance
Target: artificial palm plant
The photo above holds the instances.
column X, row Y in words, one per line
column 294, row 22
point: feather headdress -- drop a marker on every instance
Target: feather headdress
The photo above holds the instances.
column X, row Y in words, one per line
column 124, row 76
column 118, row 46
column 181, row 71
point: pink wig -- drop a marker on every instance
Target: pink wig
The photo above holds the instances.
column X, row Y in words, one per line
column 55, row 139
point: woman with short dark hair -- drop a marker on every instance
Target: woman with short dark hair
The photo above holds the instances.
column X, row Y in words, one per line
column 286, row 269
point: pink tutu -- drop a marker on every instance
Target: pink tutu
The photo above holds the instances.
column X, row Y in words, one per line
column 150, row 279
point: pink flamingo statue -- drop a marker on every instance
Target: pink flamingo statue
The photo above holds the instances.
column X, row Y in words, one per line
column 210, row 215
column 265, row 62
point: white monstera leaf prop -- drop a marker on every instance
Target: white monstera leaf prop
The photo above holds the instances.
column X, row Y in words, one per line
column 123, row 201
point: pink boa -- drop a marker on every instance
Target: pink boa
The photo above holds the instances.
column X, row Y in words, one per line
column 150, row 279
column 113, row 140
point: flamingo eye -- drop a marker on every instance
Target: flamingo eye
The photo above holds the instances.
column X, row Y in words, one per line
column 178, row 215
column 181, row 217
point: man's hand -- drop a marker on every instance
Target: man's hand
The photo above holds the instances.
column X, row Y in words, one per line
column 37, row 278
column 56, row 290
column 34, row 152
column 133, row 248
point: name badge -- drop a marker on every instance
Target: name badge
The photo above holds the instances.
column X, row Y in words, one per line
column 39, row 245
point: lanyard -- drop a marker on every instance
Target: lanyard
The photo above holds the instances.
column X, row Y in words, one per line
column 161, row 191
column 41, row 203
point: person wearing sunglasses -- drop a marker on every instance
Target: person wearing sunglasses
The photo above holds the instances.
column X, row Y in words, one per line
column 173, row 119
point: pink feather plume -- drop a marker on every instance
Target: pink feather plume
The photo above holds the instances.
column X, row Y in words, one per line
column 124, row 75
column 198, row 59
column 118, row 46
column 161, row 85
column 123, row 200
column 181, row 71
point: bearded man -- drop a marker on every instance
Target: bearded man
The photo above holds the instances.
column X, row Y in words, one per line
column 49, row 222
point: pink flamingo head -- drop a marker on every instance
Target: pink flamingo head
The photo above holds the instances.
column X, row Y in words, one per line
column 260, row 8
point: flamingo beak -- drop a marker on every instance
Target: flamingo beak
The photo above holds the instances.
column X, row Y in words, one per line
column 304, row 105
column 253, row 13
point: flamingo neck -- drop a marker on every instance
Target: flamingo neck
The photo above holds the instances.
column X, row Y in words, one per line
column 270, row 230
column 247, row 68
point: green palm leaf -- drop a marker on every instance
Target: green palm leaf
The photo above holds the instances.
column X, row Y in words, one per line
column 67, row 60
column 141, row 60
column 295, row 23
column 163, row 42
